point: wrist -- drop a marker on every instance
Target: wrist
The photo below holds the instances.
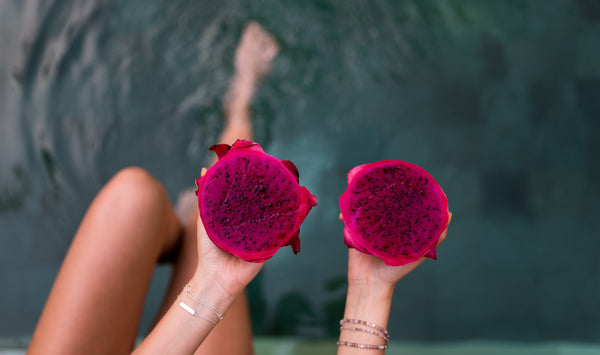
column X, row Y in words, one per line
column 212, row 291
column 366, row 316
column 369, row 302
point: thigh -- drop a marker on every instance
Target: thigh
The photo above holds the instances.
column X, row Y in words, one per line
column 97, row 298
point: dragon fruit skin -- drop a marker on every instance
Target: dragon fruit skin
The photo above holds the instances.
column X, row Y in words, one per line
column 394, row 210
column 251, row 203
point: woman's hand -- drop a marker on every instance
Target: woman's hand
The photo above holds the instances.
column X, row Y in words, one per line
column 215, row 265
column 230, row 272
column 370, row 289
column 365, row 269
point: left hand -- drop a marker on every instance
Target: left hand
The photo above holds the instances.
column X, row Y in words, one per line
column 230, row 272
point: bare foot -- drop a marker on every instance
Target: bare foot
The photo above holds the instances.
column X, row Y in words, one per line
column 253, row 58
column 255, row 53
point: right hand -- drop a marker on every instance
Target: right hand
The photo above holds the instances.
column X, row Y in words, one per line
column 365, row 269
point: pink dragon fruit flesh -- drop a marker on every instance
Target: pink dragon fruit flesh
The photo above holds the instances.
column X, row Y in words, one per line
column 394, row 210
column 251, row 203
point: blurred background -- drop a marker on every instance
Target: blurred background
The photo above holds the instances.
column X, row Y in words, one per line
column 498, row 100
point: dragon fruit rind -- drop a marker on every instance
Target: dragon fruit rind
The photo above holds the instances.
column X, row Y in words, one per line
column 394, row 210
column 250, row 202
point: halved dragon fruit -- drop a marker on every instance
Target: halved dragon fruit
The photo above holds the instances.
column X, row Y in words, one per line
column 250, row 202
column 394, row 210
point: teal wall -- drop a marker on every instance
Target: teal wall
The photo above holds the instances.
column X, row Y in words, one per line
column 498, row 100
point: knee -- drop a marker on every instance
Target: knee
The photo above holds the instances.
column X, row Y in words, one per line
column 134, row 177
column 136, row 187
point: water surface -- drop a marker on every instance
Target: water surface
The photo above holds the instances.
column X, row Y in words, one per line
column 498, row 100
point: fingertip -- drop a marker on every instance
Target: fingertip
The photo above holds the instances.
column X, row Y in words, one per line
column 443, row 236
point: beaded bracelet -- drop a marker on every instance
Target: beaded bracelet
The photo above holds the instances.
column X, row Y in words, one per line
column 362, row 346
column 385, row 337
column 368, row 324
column 377, row 330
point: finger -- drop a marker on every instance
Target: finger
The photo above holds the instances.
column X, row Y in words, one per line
column 202, row 172
column 443, row 237
column 341, row 218
column 445, row 232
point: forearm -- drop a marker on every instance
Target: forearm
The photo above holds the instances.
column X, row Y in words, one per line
column 180, row 332
column 368, row 303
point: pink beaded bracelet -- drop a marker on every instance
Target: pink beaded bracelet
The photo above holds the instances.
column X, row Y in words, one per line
column 375, row 330
column 385, row 337
column 362, row 346
column 368, row 324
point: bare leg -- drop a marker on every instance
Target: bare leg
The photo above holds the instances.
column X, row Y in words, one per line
column 253, row 61
column 97, row 298
column 98, row 295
